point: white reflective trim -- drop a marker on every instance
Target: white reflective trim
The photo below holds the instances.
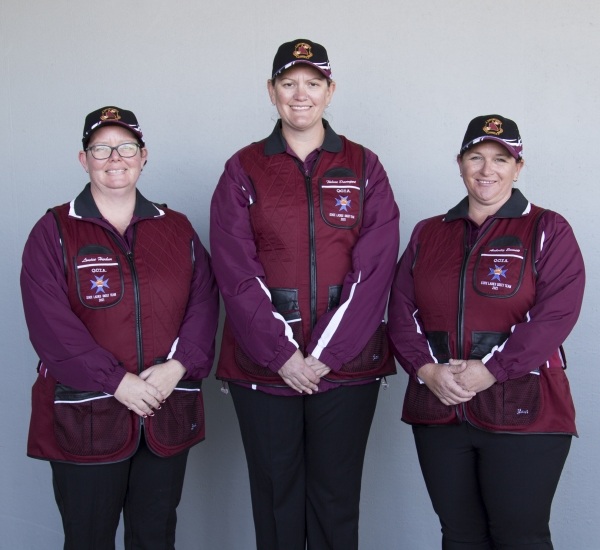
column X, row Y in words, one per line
column 294, row 321
column 527, row 210
column 288, row 331
column 173, row 349
column 542, row 240
column 340, row 186
column 72, row 210
column 186, row 389
column 84, row 400
column 334, row 323
column 95, row 265
column 160, row 212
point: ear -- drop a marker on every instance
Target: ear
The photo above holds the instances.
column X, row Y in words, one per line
column 144, row 155
column 459, row 162
column 83, row 160
column 271, row 90
column 519, row 168
column 330, row 90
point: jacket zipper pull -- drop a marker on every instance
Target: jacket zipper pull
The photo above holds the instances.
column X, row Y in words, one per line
column 224, row 387
column 384, row 383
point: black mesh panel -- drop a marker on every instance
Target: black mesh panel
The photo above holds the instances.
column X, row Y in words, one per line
column 420, row 403
column 373, row 354
column 179, row 419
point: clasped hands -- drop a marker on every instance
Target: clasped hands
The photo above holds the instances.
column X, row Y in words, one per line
column 303, row 373
column 457, row 382
column 146, row 392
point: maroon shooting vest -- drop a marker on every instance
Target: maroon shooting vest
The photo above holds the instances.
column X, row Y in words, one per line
column 305, row 228
column 468, row 302
column 132, row 303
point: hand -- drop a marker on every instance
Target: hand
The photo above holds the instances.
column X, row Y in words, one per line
column 138, row 395
column 440, row 380
column 164, row 377
column 298, row 375
column 320, row 369
column 471, row 374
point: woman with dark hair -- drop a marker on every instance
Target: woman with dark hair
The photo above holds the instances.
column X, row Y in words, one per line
column 304, row 237
column 483, row 298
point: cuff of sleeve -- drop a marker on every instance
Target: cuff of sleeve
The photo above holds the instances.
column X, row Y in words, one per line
column 326, row 357
column 114, row 379
column 288, row 350
column 496, row 369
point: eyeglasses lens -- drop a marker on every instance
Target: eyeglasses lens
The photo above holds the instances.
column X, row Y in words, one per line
column 126, row 150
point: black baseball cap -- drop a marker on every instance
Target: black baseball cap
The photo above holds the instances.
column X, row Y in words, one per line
column 301, row 51
column 494, row 128
column 111, row 115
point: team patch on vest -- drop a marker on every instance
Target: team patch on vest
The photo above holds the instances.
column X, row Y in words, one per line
column 99, row 280
column 499, row 271
column 341, row 199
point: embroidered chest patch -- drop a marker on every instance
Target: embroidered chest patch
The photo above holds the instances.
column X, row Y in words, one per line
column 341, row 201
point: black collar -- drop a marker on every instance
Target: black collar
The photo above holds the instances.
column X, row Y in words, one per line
column 84, row 206
column 515, row 207
column 275, row 143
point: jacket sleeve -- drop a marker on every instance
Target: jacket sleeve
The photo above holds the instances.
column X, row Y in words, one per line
column 405, row 329
column 559, row 294
column 342, row 333
column 60, row 339
column 261, row 332
column 195, row 344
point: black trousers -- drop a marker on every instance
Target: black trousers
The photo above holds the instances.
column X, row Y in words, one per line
column 305, row 458
column 491, row 491
column 146, row 487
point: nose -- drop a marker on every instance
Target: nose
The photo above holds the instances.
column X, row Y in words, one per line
column 301, row 93
column 486, row 167
column 114, row 155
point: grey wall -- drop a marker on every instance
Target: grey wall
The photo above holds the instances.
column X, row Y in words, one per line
column 410, row 76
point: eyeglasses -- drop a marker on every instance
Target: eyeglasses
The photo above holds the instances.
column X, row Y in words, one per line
column 125, row 150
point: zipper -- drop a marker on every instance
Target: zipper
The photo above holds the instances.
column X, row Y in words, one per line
column 462, row 288
column 138, row 312
column 311, row 239
column 461, row 412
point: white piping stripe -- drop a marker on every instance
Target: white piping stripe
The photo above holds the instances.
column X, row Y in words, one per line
column 334, row 323
column 527, row 210
column 84, row 400
column 94, row 265
column 542, row 240
column 186, row 389
column 173, row 349
column 72, row 210
column 160, row 212
column 288, row 331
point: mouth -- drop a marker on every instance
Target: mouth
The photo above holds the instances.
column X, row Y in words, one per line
column 120, row 171
column 299, row 107
column 486, row 182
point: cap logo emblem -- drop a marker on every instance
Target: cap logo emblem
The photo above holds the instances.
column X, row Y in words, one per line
column 110, row 114
column 493, row 126
column 302, row 51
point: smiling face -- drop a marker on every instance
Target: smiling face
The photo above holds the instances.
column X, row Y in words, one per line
column 489, row 171
column 300, row 94
column 114, row 173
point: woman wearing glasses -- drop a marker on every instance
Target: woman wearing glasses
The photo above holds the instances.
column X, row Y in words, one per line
column 304, row 234
column 122, row 309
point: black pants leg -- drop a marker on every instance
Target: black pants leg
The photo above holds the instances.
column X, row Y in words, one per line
column 90, row 499
column 305, row 456
column 491, row 491
column 272, row 430
column 337, row 429
column 154, row 492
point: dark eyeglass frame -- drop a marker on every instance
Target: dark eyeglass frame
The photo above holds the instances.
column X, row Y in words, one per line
column 137, row 145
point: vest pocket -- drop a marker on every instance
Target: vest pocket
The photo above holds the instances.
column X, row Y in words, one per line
column 99, row 277
column 89, row 423
column 515, row 402
column 421, row 404
column 285, row 301
column 373, row 354
column 181, row 416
